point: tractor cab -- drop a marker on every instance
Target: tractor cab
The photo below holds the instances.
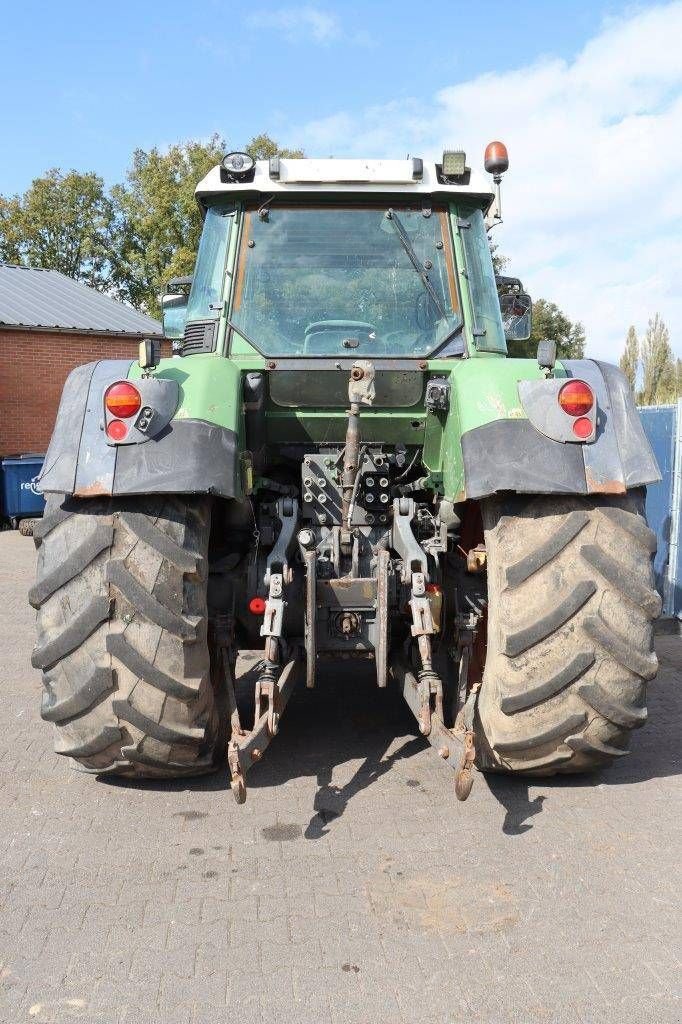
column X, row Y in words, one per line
column 335, row 258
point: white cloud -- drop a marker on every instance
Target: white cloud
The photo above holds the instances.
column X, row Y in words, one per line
column 593, row 198
column 298, row 23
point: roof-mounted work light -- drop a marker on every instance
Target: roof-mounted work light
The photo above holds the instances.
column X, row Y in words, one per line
column 454, row 168
column 454, row 162
column 237, row 167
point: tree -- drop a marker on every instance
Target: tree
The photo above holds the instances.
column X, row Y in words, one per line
column 629, row 361
column 549, row 323
column 158, row 219
column 500, row 262
column 262, row 147
column 62, row 222
column 660, row 372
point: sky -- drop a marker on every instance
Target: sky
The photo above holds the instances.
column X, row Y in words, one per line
column 586, row 95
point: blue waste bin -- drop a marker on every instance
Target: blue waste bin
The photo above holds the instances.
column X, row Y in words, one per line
column 20, row 499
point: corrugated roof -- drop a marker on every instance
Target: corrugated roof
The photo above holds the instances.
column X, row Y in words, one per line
column 32, row 297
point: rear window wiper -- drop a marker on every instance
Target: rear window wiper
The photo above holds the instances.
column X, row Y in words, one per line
column 415, row 261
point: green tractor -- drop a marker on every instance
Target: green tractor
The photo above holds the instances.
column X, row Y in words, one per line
column 341, row 461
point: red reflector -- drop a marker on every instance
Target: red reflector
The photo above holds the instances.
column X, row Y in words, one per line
column 433, row 588
column 122, row 399
column 582, row 427
column 116, row 430
column 256, row 605
column 576, row 398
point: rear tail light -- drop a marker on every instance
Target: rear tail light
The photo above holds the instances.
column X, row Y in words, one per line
column 576, row 399
column 257, row 606
column 582, row 427
column 116, row 430
column 123, row 400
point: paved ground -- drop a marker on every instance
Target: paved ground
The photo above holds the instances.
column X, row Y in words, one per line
column 352, row 888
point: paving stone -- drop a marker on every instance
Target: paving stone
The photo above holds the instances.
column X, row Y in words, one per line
column 351, row 888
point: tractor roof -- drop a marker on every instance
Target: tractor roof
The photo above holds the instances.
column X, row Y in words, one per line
column 284, row 176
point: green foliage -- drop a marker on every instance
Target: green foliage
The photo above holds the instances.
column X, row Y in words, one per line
column 550, row 324
column 661, row 374
column 500, row 262
column 262, row 147
column 629, row 361
column 158, row 220
column 62, row 222
column 131, row 241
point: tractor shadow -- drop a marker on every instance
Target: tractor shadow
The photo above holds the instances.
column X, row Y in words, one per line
column 347, row 718
column 514, row 796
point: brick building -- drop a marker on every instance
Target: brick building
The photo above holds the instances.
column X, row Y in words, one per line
column 49, row 324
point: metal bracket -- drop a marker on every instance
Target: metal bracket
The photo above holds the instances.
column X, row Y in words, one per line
column 267, row 701
column 404, row 541
column 446, row 741
column 429, row 684
column 430, row 689
column 361, row 384
column 274, row 607
column 286, row 511
column 465, row 630
column 464, row 778
column 246, row 750
column 422, row 619
column 222, row 636
column 381, row 652
column 310, row 558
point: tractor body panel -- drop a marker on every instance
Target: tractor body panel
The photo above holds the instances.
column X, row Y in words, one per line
column 485, row 442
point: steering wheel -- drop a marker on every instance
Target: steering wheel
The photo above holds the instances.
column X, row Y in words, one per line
column 320, row 336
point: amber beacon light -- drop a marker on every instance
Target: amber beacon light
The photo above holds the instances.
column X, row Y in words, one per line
column 496, row 159
column 496, row 162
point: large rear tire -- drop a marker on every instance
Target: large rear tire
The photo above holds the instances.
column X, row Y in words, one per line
column 122, row 634
column 571, row 603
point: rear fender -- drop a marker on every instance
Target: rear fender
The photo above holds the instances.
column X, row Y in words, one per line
column 529, row 454
column 178, row 452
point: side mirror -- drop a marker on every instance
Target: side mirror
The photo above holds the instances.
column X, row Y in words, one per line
column 173, row 315
column 517, row 313
column 174, row 307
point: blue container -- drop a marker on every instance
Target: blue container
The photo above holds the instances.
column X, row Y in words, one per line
column 660, row 425
column 20, row 499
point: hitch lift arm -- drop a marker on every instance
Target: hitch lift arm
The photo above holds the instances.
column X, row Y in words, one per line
column 245, row 750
